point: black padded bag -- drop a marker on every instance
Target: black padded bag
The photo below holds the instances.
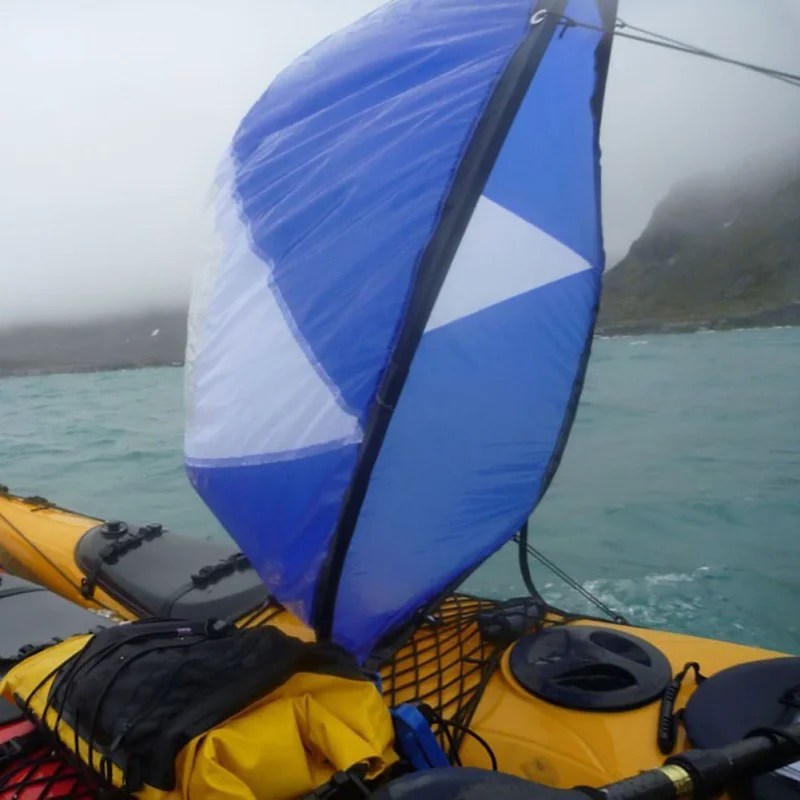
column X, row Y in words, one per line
column 139, row 692
column 736, row 701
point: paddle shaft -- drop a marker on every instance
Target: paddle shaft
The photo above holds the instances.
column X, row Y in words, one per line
column 706, row 773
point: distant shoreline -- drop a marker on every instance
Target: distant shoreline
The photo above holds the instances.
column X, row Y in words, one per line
column 786, row 317
column 603, row 332
column 60, row 369
column 676, row 328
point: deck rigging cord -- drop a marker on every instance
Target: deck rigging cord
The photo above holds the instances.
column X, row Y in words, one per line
column 626, row 31
column 52, row 564
column 526, row 549
column 437, row 720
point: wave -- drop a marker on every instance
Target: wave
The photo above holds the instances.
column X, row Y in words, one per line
column 659, row 599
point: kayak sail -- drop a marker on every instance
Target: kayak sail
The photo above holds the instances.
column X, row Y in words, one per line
column 386, row 355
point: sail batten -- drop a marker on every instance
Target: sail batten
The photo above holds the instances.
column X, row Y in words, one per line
column 408, row 282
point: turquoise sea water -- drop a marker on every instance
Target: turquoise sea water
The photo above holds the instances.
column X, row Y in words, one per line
column 677, row 502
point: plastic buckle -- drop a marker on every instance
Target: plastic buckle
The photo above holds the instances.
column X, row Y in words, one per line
column 217, row 628
column 202, row 578
column 342, row 786
column 29, row 649
column 109, row 553
column 240, row 561
column 17, row 747
column 151, row 531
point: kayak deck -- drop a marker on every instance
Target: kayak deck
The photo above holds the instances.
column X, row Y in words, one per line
column 449, row 663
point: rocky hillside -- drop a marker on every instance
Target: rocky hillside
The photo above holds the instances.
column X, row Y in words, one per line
column 155, row 338
column 719, row 252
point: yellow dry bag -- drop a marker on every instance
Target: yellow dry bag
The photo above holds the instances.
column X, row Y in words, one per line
column 167, row 709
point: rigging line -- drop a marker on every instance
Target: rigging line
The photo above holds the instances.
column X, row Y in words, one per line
column 570, row 581
column 685, row 46
column 12, row 527
column 700, row 51
column 660, row 40
column 786, row 77
column 621, row 24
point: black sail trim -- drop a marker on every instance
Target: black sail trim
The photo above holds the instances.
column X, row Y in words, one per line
column 467, row 186
column 608, row 16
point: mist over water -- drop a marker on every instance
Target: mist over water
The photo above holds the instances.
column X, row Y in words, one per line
column 116, row 115
column 676, row 503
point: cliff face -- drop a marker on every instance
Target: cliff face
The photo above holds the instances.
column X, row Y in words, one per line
column 155, row 338
column 718, row 252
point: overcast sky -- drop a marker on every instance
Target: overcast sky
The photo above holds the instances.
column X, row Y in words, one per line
column 115, row 114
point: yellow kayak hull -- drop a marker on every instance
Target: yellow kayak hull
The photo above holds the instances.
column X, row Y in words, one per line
column 530, row 737
column 38, row 542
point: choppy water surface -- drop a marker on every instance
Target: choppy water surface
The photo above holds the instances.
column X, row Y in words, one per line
column 678, row 499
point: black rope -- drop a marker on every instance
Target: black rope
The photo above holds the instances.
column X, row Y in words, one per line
column 44, row 504
column 14, row 529
column 660, row 40
column 523, row 551
column 255, row 615
column 463, row 717
column 447, row 667
column 434, row 717
column 527, row 549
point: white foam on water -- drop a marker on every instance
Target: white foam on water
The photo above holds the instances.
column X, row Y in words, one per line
column 655, row 599
column 670, row 578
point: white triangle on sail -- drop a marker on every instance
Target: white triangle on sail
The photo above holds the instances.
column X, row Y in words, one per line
column 256, row 393
column 500, row 256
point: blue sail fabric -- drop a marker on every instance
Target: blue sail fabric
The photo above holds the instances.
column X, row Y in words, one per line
column 335, row 184
column 492, row 385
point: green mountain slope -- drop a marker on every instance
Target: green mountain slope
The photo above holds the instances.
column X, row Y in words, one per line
column 723, row 252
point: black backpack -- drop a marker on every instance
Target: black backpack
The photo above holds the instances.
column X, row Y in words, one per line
column 139, row 692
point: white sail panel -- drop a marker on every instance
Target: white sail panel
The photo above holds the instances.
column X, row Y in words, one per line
column 242, row 412
column 501, row 256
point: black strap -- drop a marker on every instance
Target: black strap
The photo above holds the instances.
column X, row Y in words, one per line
column 20, row 746
column 89, row 582
column 668, row 718
column 205, row 576
column 208, row 576
column 38, row 501
column 347, row 785
column 113, row 551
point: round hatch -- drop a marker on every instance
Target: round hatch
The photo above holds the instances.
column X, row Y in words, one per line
column 590, row 668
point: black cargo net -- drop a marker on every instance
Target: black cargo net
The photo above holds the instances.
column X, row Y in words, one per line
column 42, row 774
column 448, row 659
column 446, row 665
column 262, row 615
